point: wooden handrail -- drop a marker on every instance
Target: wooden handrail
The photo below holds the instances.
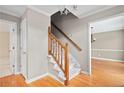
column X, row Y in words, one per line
column 59, row 52
column 67, row 37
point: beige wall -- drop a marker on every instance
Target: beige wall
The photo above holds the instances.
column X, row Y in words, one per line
column 79, row 30
column 4, row 44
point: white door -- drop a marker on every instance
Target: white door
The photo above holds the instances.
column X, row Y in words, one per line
column 8, row 47
column 13, row 47
column 23, row 49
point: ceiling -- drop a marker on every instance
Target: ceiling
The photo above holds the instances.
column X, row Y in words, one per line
column 15, row 10
column 111, row 24
column 80, row 12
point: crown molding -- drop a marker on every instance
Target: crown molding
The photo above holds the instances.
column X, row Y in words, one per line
column 38, row 10
column 96, row 11
column 9, row 13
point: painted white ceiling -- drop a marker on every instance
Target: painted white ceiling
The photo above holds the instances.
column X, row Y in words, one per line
column 86, row 10
column 111, row 24
column 4, row 26
column 81, row 11
column 15, row 10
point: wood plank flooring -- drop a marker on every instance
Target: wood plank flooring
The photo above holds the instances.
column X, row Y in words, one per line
column 104, row 73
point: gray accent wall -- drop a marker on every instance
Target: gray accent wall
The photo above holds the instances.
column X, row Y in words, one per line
column 109, row 45
column 78, row 30
column 37, row 44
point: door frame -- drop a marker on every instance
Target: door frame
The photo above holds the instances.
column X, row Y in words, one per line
column 13, row 64
column 25, row 75
column 89, row 36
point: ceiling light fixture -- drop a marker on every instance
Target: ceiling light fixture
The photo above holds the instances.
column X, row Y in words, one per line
column 93, row 39
column 74, row 7
column 64, row 11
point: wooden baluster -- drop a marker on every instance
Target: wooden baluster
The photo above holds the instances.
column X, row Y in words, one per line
column 49, row 43
column 66, row 65
column 59, row 54
column 56, row 49
column 53, row 46
column 61, row 57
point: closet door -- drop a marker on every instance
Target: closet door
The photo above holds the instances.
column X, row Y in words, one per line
column 13, row 47
column 24, row 48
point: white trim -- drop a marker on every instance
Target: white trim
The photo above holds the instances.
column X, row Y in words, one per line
column 99, row 19
column 17, row 73
column 84, row 72
column 107, row 31
column 9, row 13
column 77, row 73
column 36, row 78
column 113, row 50
column 7, row 21
column 96, row 11
column 53, row 76
column 114, row 60
column 13, row 25
column 106, row 18
column 6, row 75
column 38, row 10
column 90, row 64
column 39, row 77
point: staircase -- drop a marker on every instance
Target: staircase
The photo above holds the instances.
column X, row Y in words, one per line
column 64, row 63
column 74, row 67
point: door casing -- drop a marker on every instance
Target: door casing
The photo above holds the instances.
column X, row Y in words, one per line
column 12, row 46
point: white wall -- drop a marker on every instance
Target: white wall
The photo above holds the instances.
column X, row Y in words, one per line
column 37, row 44
column 107, row 25
column 79, row 30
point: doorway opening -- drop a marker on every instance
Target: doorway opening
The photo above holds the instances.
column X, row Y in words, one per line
column 8, row 47
column 107, row 49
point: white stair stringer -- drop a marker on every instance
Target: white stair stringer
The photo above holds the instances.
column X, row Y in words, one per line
column 74, row 67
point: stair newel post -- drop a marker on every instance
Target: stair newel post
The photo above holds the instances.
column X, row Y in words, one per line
column 66, row 64
column 49, row 40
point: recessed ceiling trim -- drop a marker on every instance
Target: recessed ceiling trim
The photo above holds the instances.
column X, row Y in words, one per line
column 9, row 13
column 39, row 11
column 96, row 11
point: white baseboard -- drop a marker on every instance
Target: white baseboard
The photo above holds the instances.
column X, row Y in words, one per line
column 84, row 72
column 107, row 59
column 36, row 78
column 53, row 76
column 17, row 72
column 77, row 73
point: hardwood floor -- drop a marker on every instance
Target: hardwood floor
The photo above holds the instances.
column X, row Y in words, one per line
column 105, row 73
